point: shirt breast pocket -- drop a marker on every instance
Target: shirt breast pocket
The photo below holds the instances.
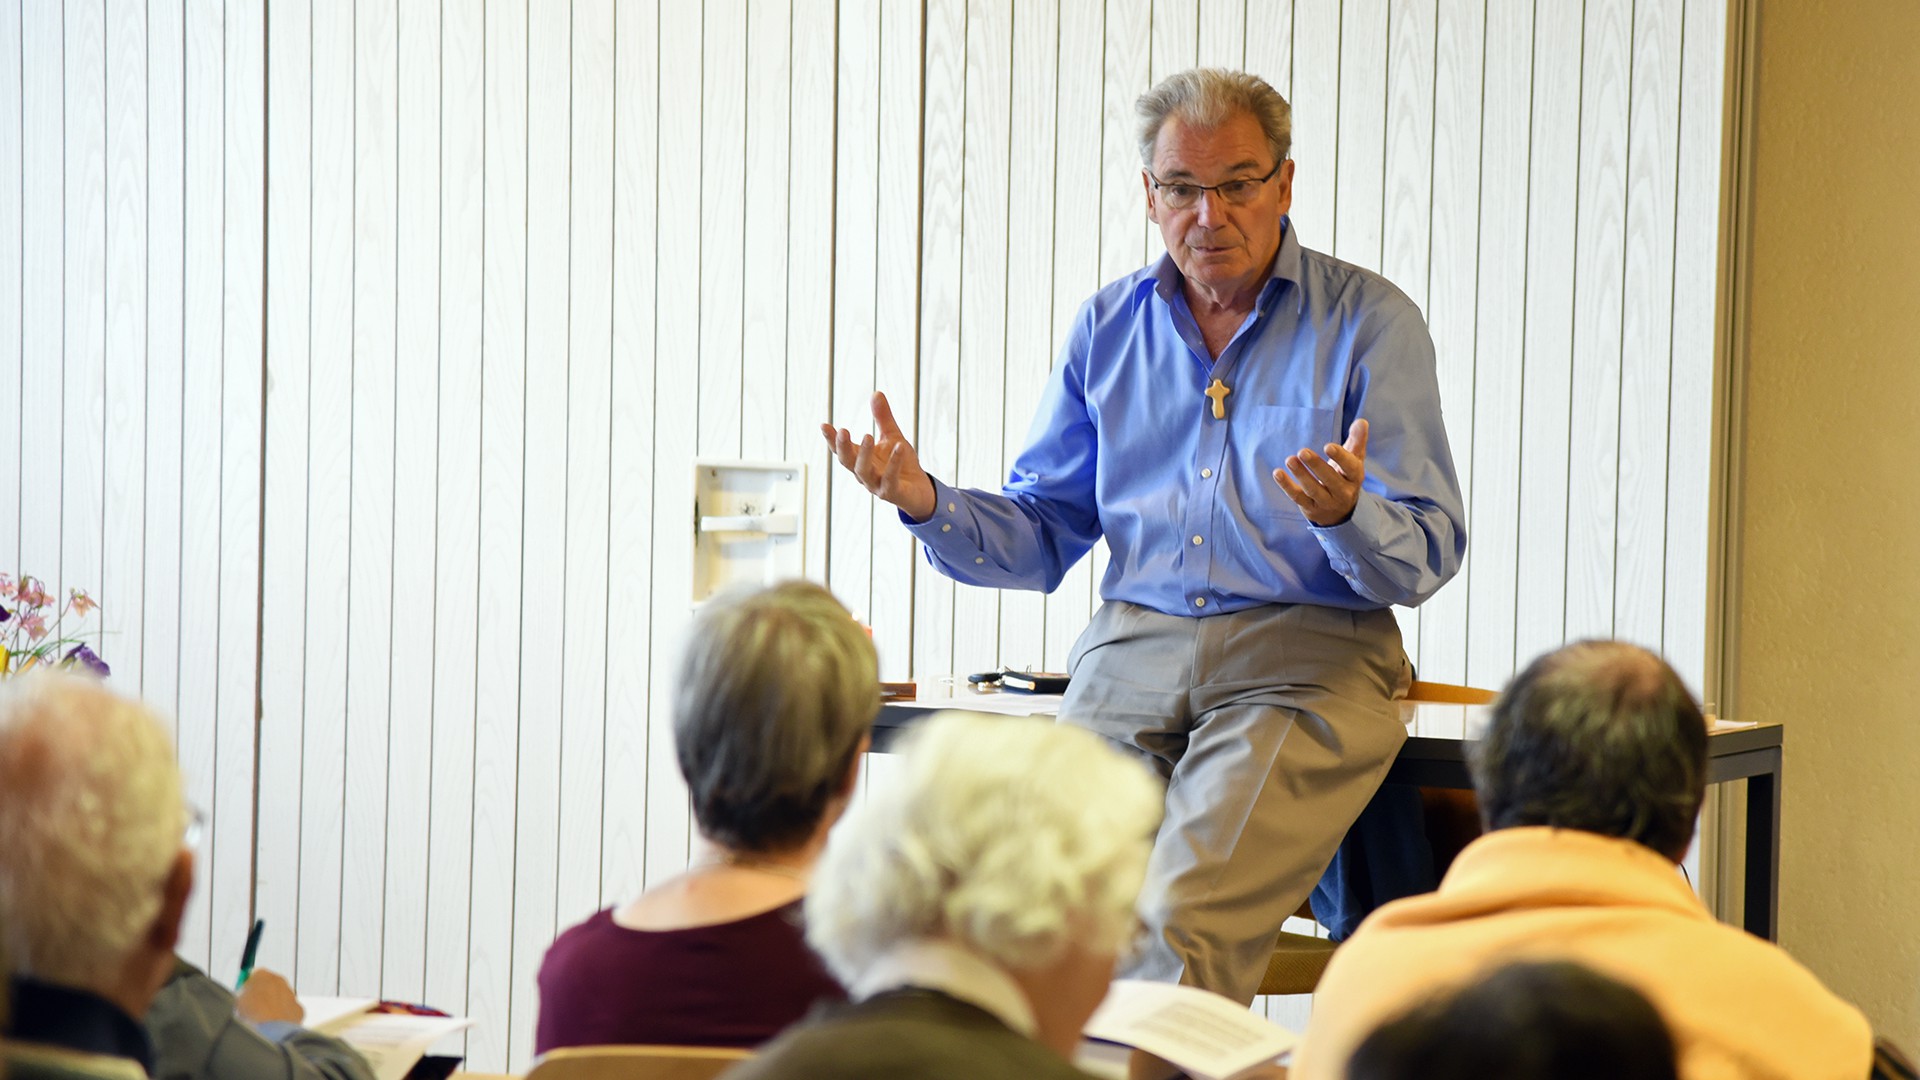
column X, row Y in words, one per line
column 1263, row 437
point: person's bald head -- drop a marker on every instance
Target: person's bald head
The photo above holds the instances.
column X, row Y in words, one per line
column 1599, row 736
column 93, row 873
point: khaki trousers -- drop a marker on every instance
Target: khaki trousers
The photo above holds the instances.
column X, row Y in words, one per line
column 1272, row 727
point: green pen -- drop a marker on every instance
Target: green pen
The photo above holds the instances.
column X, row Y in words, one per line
column 252, row 950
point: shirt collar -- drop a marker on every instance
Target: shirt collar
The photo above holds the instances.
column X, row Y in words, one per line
column 956, row 971
column 75, row 1019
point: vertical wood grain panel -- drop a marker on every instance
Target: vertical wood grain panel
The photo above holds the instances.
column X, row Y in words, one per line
column 502, row 493
column 1029, row 336
column 589, row 437
column 544, row 526
column 1457, row 203
column 284, row 556
column 13, row 103
column 1646, row 330
column 84, row 293
column 1270, row 45
column 809, row 261
column 676, row 384
column 1223, row 33
column 329, row 499
column 722, row 194
column 229, row 885
column 1076, row 252
column 1696, row 239
column 42, row 272
column 371, row 532
column 1315, row 97
column 1359, row 172
column 1593, row 443
column 983, row 300
column 456, row 616
column 416, row 440
column 896, row 287
column 630, row 583
column 165, row 261
column 1541, row 581
column 768, row 78
column 199, row 628
column 1493, row 528
column 121, row 584
column 851, row 513
column 936, row 434
column 811, row 113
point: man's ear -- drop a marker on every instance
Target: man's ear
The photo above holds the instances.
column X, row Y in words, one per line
column 164, row 934
column 1146, row 184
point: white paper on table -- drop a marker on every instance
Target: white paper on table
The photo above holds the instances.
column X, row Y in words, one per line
column 1207, row 1036
column 322, row 1012
column 393, row 1042
column 1003, row 703
column 1719, row 724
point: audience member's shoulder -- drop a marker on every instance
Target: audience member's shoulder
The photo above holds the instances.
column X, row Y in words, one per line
column 926, row 1036
column 31, row 1061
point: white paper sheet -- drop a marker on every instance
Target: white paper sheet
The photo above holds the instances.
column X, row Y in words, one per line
column 1208, row 1036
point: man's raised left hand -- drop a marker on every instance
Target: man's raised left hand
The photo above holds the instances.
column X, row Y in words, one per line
column 1326, row 489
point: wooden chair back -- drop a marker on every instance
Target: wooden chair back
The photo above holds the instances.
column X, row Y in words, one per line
column 636, row 1063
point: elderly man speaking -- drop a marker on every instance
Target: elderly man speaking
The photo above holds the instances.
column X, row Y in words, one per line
column 1255, row 429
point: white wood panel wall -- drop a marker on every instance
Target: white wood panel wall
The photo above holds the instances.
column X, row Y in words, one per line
column 132, row 236
column 522, row 261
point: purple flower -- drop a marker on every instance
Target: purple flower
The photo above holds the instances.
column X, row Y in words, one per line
column 5, row 614
column 83, row 657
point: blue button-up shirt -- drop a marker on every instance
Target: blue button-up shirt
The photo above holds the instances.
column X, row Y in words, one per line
column 1125, row 445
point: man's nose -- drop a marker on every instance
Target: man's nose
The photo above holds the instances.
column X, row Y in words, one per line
column 1210, row 209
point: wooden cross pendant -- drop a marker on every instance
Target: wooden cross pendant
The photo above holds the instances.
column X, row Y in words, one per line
column 1218, row 392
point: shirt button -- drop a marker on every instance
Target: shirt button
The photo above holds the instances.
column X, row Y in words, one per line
column 1197, row 541
column 949, row 508
column 1205, row 473
column 946, row 528
column 978, row 559
column 1199, row 601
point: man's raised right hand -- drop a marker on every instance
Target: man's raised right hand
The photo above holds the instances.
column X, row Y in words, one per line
column 888, row 466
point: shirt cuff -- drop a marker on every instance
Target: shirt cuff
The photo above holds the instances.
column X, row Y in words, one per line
column 1347, row 542
column 950, row 529
column 276, row 1030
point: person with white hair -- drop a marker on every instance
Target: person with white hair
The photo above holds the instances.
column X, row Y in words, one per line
column 975, row 906
column 95, row 872
column 1255, row 429
column 95, row 868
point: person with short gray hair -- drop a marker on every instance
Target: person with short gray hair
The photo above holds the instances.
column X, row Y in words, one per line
column 1209, row 97
column 773, row 700
column 975, row 906
column 1590, row 774
column 1254, row 428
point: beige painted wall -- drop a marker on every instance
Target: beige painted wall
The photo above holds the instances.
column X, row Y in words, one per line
column 1828, row 623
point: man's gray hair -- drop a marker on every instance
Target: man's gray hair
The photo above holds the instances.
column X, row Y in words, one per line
column 1208, row 98
column 776, row 689
column 91, row 822
column 1010, row 836
column 1599, row 736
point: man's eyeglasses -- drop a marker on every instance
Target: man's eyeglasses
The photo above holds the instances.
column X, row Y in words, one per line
column 1180, row 195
